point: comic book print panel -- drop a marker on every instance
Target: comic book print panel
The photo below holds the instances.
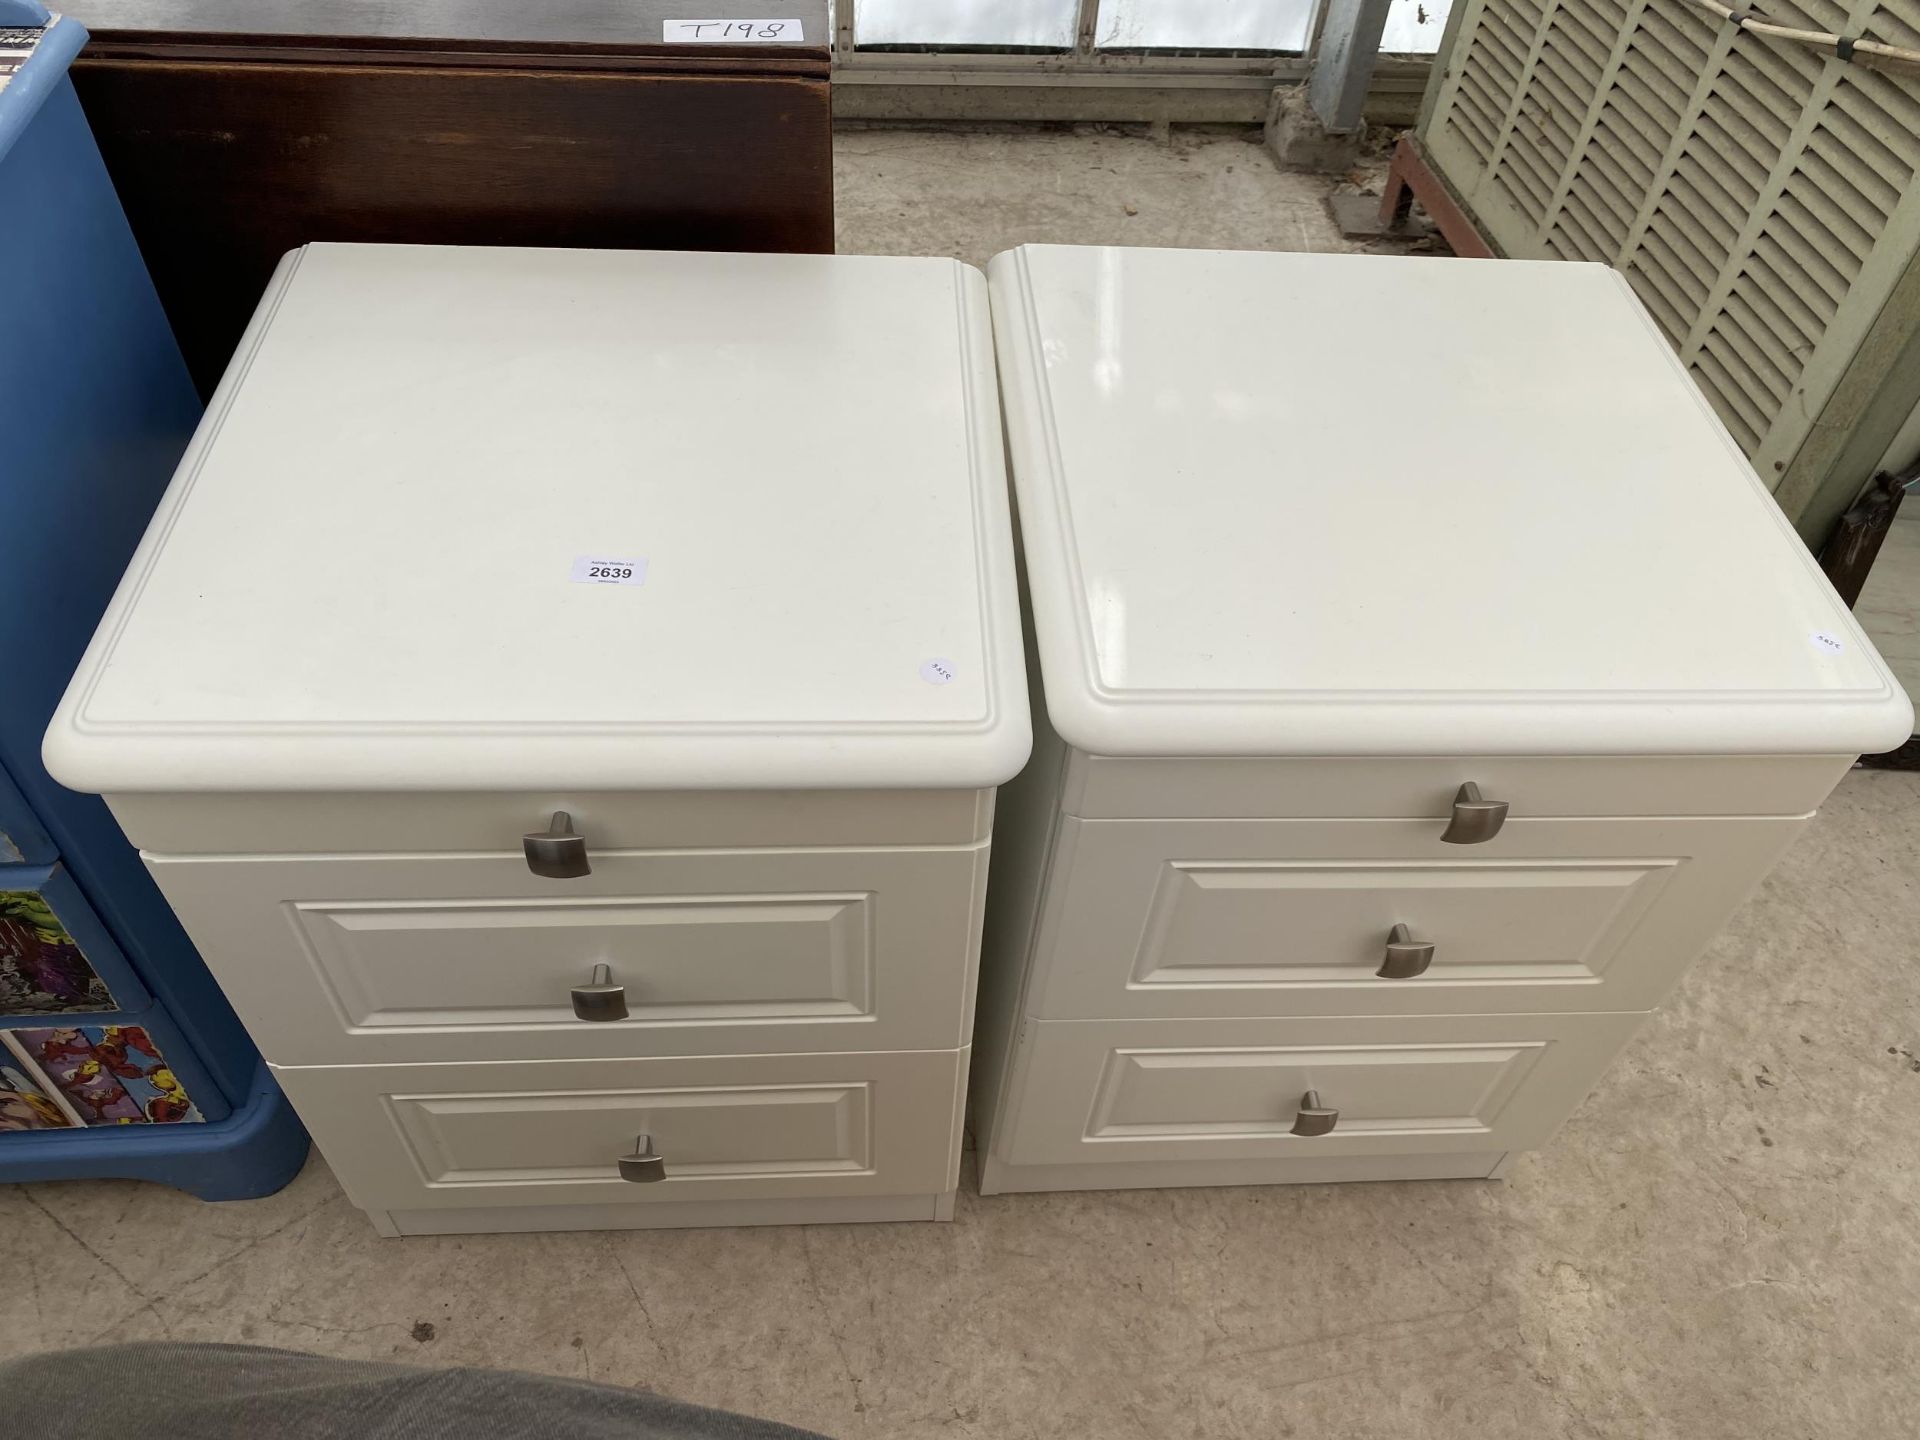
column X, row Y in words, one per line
column 42, row 971
column 25, row 1106
column 112, row 1074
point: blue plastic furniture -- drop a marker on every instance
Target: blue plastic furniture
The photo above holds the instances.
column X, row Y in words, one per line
column 118, row 1054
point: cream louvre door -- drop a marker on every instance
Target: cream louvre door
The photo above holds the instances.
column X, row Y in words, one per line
column 1760, row 197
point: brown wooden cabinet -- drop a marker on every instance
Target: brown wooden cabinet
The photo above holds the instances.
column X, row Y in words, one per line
column 236, row 130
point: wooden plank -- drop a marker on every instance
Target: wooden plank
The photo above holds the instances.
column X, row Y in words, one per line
column 224, row 166
column 1411, row 178
column 632, row 27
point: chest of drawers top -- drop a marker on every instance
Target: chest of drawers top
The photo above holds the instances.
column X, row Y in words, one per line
column 1320, row 505
column 487, row 520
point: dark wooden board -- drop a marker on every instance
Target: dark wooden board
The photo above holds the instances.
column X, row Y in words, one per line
column 230, row 149
column 630, row 26
column 1855, row 543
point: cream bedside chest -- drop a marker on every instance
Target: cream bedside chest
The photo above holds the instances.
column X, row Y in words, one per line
column 1421, row 678
column 563, row 694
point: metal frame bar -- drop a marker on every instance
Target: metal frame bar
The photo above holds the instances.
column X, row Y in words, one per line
column 950, row 69
column 1086, row 30
column 1344, row 61
column 993, row 68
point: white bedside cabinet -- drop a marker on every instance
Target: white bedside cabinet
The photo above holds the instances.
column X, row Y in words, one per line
column 563, row 695
column 1421, row 678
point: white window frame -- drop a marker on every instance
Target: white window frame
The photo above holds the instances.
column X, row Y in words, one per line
column 1086, row 82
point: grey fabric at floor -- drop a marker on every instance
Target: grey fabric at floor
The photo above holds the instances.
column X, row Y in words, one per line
column 247, row 1392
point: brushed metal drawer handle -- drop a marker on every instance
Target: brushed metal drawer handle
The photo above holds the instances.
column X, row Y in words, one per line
column 557, row 852
column 1406, row 956
column 1476, row 819
column 644, row 1165
column 600, row 998
column 1315, row 1118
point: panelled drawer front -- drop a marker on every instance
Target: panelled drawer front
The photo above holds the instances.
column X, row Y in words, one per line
column 1408, row 786
column 1293, row 917
column 551, row 1133
column 1102, row 1091
column 401, row 959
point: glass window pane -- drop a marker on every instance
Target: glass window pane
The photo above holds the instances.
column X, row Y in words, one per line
column 1046, row 24
column 1414, row 26
column 1203, row 24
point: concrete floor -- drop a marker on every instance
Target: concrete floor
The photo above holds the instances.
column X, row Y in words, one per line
column 931, row 192
column 1724, row 1241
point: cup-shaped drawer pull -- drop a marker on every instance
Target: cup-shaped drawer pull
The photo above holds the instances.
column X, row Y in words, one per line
column 1406, row 957
column 1476, row 819
column 644, row 1165
column 557, row 852
column 601, row 999
column 1314, row 1118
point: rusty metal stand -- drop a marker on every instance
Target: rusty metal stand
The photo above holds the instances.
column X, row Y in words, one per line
column 1848, row 556
column 1410, row 178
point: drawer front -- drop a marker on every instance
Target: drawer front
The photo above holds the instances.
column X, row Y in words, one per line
column 403, row 1137
column 1403, row 787
column 1294, row 917
column 1101, row 1091
column 421, row 958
